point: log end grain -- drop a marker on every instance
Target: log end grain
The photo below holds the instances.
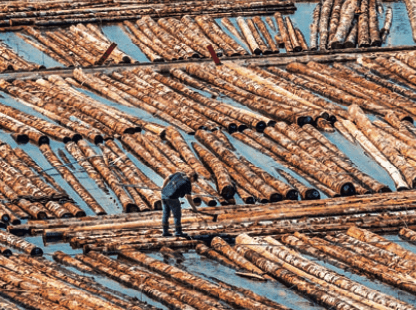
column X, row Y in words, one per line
column 292, row 194
column 132, row 208
column 76, row 137
column 20, row 138
column 260, row 126
column 43, row 140
column 312, row 194
column 36, row 252
column 347, row 189
column 303, row 120
column 242, row 127
column 7, row 253
column 228, row 192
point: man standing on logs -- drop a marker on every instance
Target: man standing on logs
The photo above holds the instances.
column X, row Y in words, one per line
column 175, row 186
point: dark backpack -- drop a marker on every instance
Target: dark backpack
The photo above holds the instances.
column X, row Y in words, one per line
column 178, row 186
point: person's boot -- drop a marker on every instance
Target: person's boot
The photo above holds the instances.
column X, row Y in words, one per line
column 179, row 233
column 166, row 232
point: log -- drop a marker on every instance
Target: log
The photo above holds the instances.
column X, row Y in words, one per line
column 411, row 9
column 202, row 249
column 20, row 244
column 283, row 32
column 265, row 50
column 374, row 32
column 183, row 77
column 334, row 19
column 270, row 22
column 324, row 22
column 301, row 40
column 408, row 235
column 227, row 23
column 363, row 25
column 292, row 35
column 251, row 41
column 351, row 39
column 314, row 27
column 68, row 260
column 224, row 184
column 346, row 18
column 384, row 32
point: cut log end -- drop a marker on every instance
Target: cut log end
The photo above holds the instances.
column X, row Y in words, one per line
column 276, row 197
column 7, row 253
column 126, row 59
column 242, row 127
column 303, row 120
column 98, row 139
column 347, row 189
column 292, row 194
column 312, row 194
column 76, row 137
column 43, row 140
column 80, row 213
column 132, row 208
column 228, row 192
column 232, row 128
column 36, row 252
column 249, row 200
column 20, row 138
column 385, row 189
column 297, row 49
column 261, row 126
column 5, row 218
column 42, row 216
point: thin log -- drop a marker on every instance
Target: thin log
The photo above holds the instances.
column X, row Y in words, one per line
column 251, row 41
column 363, row 27
column 388, row 20
column 283, row 32
column 292, row 35
column 375, row 39
column 314, row 27
column 344, row 26
column 334, row 20
column 324, row 22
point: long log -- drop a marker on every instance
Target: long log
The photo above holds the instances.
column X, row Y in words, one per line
column 284, row 32
column 251, row 41
column 411, row 11
column 375, row 39
column 346, row 18
column 388, row 20
column 314, row 27
column 261, row 26
column 363, row 27
column 259, row 40
column 226, row 22
column 292, row 35
column 20, row 244
column 324, row 22
column 334, row 20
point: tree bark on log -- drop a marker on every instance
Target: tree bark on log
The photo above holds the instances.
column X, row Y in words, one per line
column 261, row 26
column 324, row 22
column 375, row 39
column 346, row 18
column 284, row 32
column 363, row 27
column 314, row 27
column 251, row 41
column 292, row 35
column 334, row 19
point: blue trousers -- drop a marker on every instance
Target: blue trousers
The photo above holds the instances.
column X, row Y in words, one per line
column 173, row 205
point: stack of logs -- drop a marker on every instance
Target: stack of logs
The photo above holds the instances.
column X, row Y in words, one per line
column 75, row 46
column 53, row 13
column 347, row 24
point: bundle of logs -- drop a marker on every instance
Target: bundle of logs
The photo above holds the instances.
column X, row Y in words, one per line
column 78, row 45
column 49, row 13
column 10, row 61
column 350, row 23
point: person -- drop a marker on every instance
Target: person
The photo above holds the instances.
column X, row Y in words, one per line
column 175, row 186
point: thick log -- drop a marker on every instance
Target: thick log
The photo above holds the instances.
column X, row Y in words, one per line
column 227, row 23
column 248, row 35
column 202, row 249
column 363, row 27
column 344, row 26
column 259, row 40
column 408, row 235
column 334, row 20
column 283, row 32
column 195, row 282
column 324, row 22
column 351, row 39
column 292, row 35
column 314, row 27
column 223, row 179
column 58, row 210
column 20, row 244
column 301, row 40
column 374, row 32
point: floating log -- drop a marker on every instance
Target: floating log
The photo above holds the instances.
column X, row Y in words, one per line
column 408, row 235
column 363, row 25
column 197, row 283
column 292, row 35
column 57, row 209
column 223, row 179
column 20, row 244
column 227, row 23
column 334, row 19
column 306, row 193
column 351, row 39
column 383, row 243
column 71, row 179
column 314, row 27
column 375, row 39
column 284, row 32
column 384, row 32
column 323, row 23
column 259, row 40
column 202, row 249
column 68, row 260
column 248, row 35
column 261, row 26
column 301, row 40
column 411, row 11
column 344, row 26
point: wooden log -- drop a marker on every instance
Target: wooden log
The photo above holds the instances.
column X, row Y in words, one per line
column 202, row 249
column 259, row 40
column 57, row 209
column 71, row 179
column 398, row 68
column 324, row 22
column 226, row 22
column 346, row 18
column 20, row 244
column 195, row 282
column 301, row 40
column 284, row 32
column 363, row 26
column 279, row 41
column 384, row 32
column 183, row 77
column 381, row 242
column 287, row 191
column 223, row 179
column 408, row 235
column 374, row 32
column 306, row 193
column 292, row 35
column 68, row 260
column 351, row 39
column 248, row 35
column 261, row 26
column 334, row 18
column 314, row 27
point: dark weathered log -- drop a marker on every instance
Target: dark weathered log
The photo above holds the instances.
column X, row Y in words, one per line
column 344, row 26
column 314, row 27
column 284, row 32
column 324, row 22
